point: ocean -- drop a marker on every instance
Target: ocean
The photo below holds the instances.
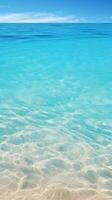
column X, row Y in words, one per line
column 55, row 111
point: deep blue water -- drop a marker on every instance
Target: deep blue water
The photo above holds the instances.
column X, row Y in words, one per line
column 56, row 111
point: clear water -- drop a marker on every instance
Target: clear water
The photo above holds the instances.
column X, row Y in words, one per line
column 55, row 111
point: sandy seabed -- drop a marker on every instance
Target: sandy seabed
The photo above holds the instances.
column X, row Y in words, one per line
column 54, row 166
column 60, row 159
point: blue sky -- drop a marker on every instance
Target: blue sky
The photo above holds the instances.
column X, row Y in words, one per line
column 56, row 11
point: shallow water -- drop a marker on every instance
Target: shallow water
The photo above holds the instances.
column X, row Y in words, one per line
column 55, row 111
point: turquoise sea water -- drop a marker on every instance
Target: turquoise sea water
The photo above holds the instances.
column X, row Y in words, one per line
column 55, row 111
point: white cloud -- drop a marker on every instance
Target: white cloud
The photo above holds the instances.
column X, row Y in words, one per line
column 32, row 17
column 109, row 18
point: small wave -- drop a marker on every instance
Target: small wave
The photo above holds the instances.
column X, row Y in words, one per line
column 23, row 37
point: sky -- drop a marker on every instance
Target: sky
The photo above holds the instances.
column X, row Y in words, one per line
column 41, row 11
